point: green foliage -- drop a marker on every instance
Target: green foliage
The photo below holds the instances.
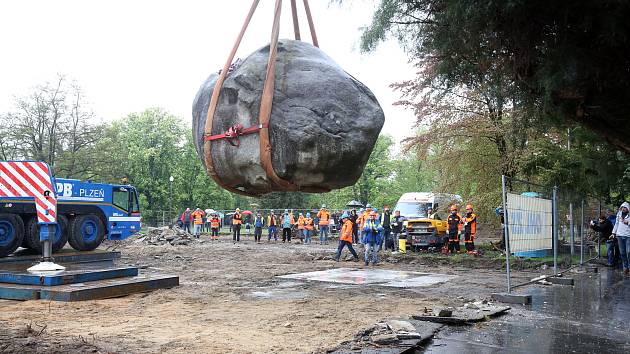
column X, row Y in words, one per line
column 564, row 61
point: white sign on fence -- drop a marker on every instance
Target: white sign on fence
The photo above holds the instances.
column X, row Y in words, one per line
column 530, row 223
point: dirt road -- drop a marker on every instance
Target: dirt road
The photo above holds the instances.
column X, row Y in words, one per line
column 230, row 300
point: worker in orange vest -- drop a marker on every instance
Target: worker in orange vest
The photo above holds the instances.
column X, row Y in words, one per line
column 308, row 228
column 470, row 228
column 237, row 221
column 454, row 222
column 301, row 226
column 345, row 238
column 197, row 216
column 215, row 224
column 324, row 220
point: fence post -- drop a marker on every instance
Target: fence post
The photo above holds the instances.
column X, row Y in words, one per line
column 571, row 232
column 555, row 230
column 599, row 239
column 506, row 234
column 582, row 235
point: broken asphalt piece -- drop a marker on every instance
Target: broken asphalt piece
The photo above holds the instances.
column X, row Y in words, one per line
column 381, row 338
column 465, row 315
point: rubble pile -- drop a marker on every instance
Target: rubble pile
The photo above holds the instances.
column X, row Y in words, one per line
column 162, row 235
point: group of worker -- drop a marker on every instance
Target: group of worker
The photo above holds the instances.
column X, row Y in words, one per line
column 466, row 225
column 201, row 221
column 285, row 223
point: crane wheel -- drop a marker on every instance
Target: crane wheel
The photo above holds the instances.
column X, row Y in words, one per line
column 86, row 232
column 11, row 233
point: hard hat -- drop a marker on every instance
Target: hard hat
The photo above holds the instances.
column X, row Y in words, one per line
column 308, row 215
column 344, row 216
column 323, row 206
column 286, row 210
column 469, row 206
column 453, row 207
column 271, row 211
column 238, row 209
column 368, row 206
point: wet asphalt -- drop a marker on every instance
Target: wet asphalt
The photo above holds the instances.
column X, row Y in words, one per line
column 593, row 316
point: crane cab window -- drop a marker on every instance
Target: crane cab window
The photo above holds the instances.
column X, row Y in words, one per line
column 121, row 198
column 135, row 206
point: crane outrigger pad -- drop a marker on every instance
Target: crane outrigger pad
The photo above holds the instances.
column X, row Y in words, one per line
column 87, row 276
column 66, row 255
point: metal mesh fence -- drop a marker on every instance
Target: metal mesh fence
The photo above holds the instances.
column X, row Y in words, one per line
column 556, row 228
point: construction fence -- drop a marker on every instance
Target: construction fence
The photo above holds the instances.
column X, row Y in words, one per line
column 549, row 225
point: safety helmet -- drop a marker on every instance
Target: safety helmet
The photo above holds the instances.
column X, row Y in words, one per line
column 344, row 216
column 369, row 206
column 308, row 215
column 286, row 211
column 323, row 206
column 469, row 206
column 238, row 209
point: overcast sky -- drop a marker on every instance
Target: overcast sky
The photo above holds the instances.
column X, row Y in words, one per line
column 128, row 55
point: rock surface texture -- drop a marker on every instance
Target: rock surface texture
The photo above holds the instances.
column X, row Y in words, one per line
column 323, row 125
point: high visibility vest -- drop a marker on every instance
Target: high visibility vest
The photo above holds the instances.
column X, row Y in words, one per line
column 198, row 216
column 324, row 217
column 346, row 231
column 300, row 223
column 237, row 219
column 454, row 221
column 308, row 223
column 214, row 223
column 470, row 223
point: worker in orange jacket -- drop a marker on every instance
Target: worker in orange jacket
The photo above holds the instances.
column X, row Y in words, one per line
column 470, row 228
column 237, row 221
column 345, row 238
column 197, row 216
column 215, row 224
column 324, row 221
column 454, row 222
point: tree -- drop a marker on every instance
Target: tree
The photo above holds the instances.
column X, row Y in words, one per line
column 52, row 124
column 566, row 60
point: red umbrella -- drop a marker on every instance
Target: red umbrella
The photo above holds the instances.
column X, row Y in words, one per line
column 247, row 212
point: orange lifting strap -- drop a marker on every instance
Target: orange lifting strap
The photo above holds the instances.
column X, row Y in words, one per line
column 265, row 104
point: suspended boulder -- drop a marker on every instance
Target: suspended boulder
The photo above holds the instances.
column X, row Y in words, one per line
column 322, row 127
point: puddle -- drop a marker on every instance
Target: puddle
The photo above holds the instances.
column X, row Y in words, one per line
column 279, row 294
column 590, row 317
column 374, row 277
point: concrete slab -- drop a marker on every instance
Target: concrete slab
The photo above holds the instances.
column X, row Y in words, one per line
column 512, row 298
column 561, row 281
column 372, row 277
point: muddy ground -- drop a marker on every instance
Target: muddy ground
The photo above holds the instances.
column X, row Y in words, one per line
column 230, row 300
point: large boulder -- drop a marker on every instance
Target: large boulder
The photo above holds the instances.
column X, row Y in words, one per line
column 323, row 125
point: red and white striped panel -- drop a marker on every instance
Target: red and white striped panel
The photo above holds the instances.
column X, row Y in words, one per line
column 29, row 179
